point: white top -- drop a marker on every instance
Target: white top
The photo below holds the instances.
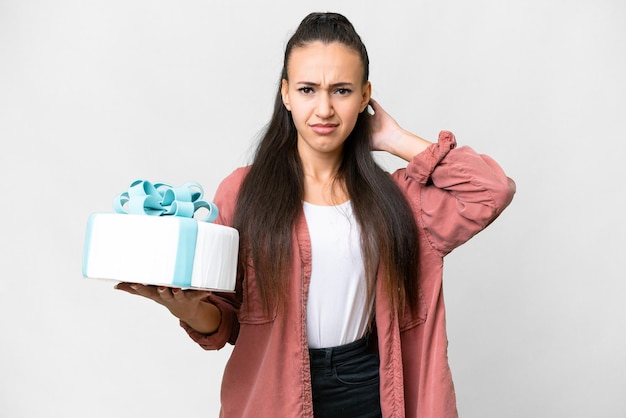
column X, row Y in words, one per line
column 336, row 311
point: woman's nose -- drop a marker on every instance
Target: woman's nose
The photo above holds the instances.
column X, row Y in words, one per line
column 324, row 106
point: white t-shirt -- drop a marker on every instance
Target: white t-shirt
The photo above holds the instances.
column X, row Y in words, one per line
column 336, row 309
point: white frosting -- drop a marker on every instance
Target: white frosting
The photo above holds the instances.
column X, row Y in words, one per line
column 143, row 249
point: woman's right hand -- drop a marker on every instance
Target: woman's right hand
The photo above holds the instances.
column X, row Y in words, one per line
column 189, row 306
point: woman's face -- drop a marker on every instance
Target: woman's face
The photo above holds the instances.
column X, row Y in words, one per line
column 325, row 94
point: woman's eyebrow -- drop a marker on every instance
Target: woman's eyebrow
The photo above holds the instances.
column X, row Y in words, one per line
column 334, row 85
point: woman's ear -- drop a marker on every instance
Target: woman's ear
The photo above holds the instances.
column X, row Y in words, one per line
column 367, row 94
column 284, row 92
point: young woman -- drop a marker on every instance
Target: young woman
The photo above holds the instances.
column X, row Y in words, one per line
column 338, row 309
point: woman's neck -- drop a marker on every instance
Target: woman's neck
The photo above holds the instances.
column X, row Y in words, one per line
column 321, row 186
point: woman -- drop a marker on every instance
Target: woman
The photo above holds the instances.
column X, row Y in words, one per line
column 339, row 309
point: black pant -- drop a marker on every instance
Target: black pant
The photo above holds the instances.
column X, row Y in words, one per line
column 345, row 381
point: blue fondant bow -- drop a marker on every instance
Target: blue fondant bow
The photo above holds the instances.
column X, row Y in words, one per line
column 160, row 199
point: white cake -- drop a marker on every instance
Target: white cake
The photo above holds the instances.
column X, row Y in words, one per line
column 170, row 251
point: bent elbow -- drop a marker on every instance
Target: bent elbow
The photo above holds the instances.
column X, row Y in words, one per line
column 506, row 193
column 502, row 194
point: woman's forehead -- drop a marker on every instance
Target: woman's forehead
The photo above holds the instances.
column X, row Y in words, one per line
column 319, row 61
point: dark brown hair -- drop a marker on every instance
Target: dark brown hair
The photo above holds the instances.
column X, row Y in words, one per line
column 270, row 199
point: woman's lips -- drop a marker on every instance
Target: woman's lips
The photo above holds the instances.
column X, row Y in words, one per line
column 324, row 128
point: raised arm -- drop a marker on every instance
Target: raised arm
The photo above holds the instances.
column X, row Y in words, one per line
column 455, row 192
column 388, row 136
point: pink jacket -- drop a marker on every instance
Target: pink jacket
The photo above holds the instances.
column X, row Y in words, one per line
column 455, row 193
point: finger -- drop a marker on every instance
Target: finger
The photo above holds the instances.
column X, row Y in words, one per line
column 164, row 293
column 126, row 287
column 147, row 291
column 179, row 294
column 175, row 293
column 197, row 294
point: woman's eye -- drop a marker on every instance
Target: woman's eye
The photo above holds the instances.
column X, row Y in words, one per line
column 305, row 90
column 343, row 92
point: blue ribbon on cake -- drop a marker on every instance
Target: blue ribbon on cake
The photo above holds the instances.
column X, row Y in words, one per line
column 161, row 199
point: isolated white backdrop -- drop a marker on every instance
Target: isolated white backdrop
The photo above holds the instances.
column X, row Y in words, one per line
column 95, row 94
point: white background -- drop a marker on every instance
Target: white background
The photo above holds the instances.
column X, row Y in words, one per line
column 94, row 94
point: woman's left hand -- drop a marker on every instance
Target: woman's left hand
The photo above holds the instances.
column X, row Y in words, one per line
column 388, row 136
column 385, row 130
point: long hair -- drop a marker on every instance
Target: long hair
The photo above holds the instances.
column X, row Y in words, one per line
column 270, row 198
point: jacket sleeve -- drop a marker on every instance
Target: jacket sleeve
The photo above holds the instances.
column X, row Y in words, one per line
column 228, row 303
column 455, row 192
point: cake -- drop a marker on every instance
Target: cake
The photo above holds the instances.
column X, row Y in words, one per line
column 159, row 242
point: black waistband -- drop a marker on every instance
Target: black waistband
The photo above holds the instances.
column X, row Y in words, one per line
column 339, row 354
